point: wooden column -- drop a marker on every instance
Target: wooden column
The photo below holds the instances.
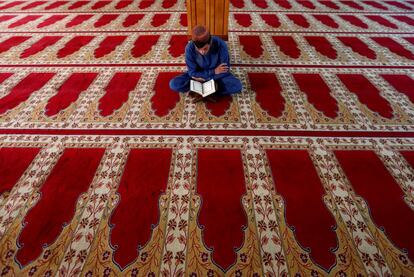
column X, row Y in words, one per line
column 214, row 14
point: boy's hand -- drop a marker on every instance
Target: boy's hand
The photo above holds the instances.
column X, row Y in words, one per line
column 222, row 68
column 199, row 79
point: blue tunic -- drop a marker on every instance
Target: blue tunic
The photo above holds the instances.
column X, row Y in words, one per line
column 202, row 66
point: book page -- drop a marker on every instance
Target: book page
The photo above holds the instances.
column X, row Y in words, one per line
column 196, row 87
column 208, row 87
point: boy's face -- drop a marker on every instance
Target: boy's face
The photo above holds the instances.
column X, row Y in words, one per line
column 203, row 46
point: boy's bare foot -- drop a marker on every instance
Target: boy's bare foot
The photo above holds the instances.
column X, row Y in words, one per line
column 196, row 97
column 211, row 98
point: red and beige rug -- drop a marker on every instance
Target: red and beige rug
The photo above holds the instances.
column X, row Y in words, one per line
column 106, row 172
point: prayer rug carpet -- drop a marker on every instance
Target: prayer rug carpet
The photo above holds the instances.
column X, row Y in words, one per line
column 106, row 172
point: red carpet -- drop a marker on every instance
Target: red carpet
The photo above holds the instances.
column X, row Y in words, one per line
column 106, row 172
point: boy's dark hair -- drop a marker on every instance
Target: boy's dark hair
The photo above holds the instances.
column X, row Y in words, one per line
column 201, row 36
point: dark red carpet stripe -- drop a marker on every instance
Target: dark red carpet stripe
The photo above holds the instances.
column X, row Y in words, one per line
column 354, row 20
column 271, row 20
column 33, row 5
column 74, row 45
column 117, row 92
column 409, row 156
column 322, row 45
column 13, row 163
column 100, row 4
column 260, row 3
column 318, row 93
column 71, row 176
column 307, row 4
column 183, row 20
column 105, row 20
column 404, row 18
column 375, row 4
column 358, row 46
column 177, row 44
column 219, row 108
column 166, row 4
column 237, row 3
column 56, row 4
column 272, row 100
column 143, row 45
column 283, row 4
column 402, row 83
column 252, row 45
column 122, row 4
column 164, row 99
column 352, row 4
column 305, row 210
column 243, row 19
column 132, row 19
column 160, row 19
column 108, row 45
column 367, row 93
column 299, row 20
column 220, row 183
column 69, row 92
column 51, row 20
column 77, row 5
column 145, row 4
column 329, row 4
column 326, row 20
column 399, row 5
column 24, row 20
column 22, row 91
column 393, row 46
column 10, row 5
column 79, row 19
column 287, row 45
column 372, row 181
column 145, row 177
column 4, row 77
column 5, row 18
column 382, row 21
column 39, row 46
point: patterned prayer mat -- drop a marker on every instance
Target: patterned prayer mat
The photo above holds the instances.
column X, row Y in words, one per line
column 106, row 172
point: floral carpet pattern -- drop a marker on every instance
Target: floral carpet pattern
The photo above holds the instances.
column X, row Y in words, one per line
column 104, row 171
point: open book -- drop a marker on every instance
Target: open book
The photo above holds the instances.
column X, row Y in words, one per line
column 204, row 89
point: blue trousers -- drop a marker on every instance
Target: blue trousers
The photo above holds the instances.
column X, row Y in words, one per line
column 227, row 85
